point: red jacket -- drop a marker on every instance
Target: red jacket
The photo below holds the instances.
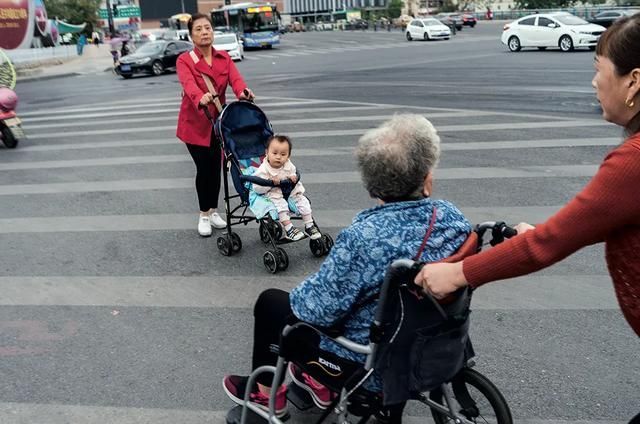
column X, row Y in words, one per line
column 193, row 125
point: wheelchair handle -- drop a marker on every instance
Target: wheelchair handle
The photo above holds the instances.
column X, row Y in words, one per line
column 499, row 231
column 399, row 267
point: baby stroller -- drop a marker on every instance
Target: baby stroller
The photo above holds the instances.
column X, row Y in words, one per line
column 419, row 346
column 243, row 129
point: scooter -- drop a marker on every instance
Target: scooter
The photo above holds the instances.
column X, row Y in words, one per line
column 10, row 125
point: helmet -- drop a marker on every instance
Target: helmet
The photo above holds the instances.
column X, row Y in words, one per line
column 8, row 99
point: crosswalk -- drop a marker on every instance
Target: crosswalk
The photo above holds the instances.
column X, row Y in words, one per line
column 98, row 239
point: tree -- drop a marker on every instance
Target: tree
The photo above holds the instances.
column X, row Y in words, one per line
column 395, row 9
column 74, row 11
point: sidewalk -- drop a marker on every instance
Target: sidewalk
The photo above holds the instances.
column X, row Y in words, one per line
column 94, row 60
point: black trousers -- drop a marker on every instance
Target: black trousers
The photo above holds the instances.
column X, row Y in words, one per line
column 635, row 420
column 272, row 312
column 208, row 160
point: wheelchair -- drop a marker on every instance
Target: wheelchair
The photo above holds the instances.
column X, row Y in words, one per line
column 453, row 393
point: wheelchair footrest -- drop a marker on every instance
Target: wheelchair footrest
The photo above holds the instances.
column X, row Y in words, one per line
column 234, row 416
column 299, row 397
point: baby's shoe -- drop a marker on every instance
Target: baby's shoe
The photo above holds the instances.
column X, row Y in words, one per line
column 313, row 231
column 294, row 234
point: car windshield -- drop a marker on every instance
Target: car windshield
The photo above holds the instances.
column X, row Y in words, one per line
column 431, row 22
column 224, row 39
column 571, row 20
column 150, row 48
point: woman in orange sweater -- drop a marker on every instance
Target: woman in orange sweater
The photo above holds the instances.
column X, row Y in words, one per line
column 607, row 209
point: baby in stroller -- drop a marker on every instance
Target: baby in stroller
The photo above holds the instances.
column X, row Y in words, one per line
column 277, row 167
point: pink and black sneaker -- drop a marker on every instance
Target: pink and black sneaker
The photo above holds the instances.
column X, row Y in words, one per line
column 235, row 386
column 320, row 395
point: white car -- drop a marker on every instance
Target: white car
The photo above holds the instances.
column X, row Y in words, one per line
column 229, row 43
column 427, row 29
column 544, row 30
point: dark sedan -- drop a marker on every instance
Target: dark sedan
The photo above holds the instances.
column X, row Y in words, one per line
column 469, row 19
column 452, row 20
column 608, row 17
column 154, row 58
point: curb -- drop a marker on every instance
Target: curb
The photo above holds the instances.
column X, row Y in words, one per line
column 31, row 78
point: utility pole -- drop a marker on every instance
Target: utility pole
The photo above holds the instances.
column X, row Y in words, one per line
column 112, row 29
column 182, row 3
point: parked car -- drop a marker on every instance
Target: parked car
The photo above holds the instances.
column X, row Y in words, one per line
column 154, row 57
column 451, row 19
column 230, row 44
column 427, row 29
column 608, row 17
column 560, row 29
column 469, row 19
column 356, row 24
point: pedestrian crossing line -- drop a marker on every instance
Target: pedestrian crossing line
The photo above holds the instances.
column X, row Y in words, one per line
column 537, row 292
column 360, row 118
column 473, row 145
column 311, row 178
column 174, row 102
column 334, row 133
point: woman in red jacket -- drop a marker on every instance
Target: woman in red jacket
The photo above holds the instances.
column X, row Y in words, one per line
column 194, row 129
column 606, row 210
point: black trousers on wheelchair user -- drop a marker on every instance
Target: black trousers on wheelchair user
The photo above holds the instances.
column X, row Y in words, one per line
column 272, row 312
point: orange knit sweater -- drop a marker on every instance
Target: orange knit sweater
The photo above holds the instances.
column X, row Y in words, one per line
column 606, row 210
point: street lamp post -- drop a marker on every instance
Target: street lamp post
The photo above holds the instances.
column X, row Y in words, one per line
column 182, row 3
column 112, row 29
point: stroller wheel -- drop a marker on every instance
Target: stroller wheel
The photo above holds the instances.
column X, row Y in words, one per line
column 236, row 243
column 283, row 259
column 270, row 261
column 317, row 247
column 224, row 246
column 264, row 233
column 328, row 242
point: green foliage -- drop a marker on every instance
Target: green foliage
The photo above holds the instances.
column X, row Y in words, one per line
column 395, row 9
column 74, row 11
column 448, row 6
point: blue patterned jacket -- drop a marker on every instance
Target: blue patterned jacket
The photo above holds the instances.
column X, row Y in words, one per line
column 355, row 268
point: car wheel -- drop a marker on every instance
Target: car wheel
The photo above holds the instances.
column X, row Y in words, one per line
column 157, row 68
column 446, row 38
column 514, row 44
column 409, row 36
column 426, row 36
column 565, row 43
column 542, row 48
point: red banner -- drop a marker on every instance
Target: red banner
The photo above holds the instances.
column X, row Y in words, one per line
column 15, row 24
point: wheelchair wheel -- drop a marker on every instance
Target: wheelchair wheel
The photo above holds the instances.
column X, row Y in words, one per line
column 282, row 258
column 236, row 242
column 488, row 406
column 270, row 261
column 224, row 246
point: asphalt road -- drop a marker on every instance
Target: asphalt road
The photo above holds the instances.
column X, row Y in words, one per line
column 114, row 310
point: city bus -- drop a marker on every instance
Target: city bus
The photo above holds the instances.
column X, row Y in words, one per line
column 257, row 24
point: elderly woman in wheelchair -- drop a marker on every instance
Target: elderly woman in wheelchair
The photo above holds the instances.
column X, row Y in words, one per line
column 328, row 328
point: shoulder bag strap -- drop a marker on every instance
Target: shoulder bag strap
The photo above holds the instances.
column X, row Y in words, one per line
column 427, row 235
column 208, row 83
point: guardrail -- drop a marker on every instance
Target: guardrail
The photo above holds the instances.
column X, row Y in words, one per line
column 24, row 56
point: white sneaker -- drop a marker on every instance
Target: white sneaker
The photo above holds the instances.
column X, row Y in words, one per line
column 204, row 226
column 217, row 221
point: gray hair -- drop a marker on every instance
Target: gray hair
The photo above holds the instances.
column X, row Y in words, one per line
column 395, row 158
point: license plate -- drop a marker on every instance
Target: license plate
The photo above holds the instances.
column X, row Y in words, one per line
column 13, row 122
column 125, row 68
